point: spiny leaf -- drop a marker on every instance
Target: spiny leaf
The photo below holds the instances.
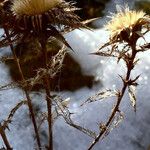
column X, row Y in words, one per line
column 105, row 45
column 84, row 130
column 100, row 96
column 56, row 34
column 90, row 20
column 135, row 62
column 105, row 54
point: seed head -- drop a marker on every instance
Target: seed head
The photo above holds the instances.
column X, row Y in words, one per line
column 42, row 18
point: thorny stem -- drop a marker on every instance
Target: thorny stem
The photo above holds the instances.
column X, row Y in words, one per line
column 30, row 106
column 130, row 66
column 4, row 137
column 46, row 82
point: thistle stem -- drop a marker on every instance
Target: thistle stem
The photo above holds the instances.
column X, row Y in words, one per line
column 46, row 82
column 4, row 137
column 30, row 106
column 130, row 67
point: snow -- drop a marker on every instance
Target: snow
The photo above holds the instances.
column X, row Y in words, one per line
column 132, row 134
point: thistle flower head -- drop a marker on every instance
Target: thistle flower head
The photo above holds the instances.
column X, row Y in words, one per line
column 38, row 14
column 33, row 7
column 42, row 18
column 126, row 22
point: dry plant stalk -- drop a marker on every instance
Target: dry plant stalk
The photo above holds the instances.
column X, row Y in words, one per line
column 4, row 137
column 8, row 38
column 46, row 83
column 126, row 28
column 25, row 88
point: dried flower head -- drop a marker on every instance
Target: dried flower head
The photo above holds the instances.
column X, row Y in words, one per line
column 33, row 7
column 37, row 15
column 125, row 23
column 41, row 18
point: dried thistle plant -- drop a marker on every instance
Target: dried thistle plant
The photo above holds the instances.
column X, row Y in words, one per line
column 126, row 28
column 40, row 19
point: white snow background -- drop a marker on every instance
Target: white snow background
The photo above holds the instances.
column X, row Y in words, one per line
column 132, row 134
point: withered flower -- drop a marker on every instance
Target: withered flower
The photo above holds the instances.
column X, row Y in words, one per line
column 126, row 24
column 42, row 17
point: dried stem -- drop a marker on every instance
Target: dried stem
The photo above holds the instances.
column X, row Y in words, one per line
column 25, row 88
column 46, row 81
column 4, row 137
column 130, row 67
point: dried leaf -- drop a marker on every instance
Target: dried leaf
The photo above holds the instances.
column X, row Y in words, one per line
column 9, row 86
column 57, row 34
column 84, row 130
column 105, row 45
column 100, row 96
column 62, row 110
column 12, row 112
column 105, row 54
column 90, row 20
column 135, row 62
column 132, row 95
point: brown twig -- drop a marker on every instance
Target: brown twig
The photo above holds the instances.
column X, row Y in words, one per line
column 4, row 137
column 30, row 106
column 130, row 66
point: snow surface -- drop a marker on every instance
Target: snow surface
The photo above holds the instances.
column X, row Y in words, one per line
column 132, row 134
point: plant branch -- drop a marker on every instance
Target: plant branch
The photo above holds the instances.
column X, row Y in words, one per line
column 130, row 66
column 30, row 106
column 4, row 137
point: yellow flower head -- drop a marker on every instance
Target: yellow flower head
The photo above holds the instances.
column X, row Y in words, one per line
column 33, row 7
column 125, row 19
